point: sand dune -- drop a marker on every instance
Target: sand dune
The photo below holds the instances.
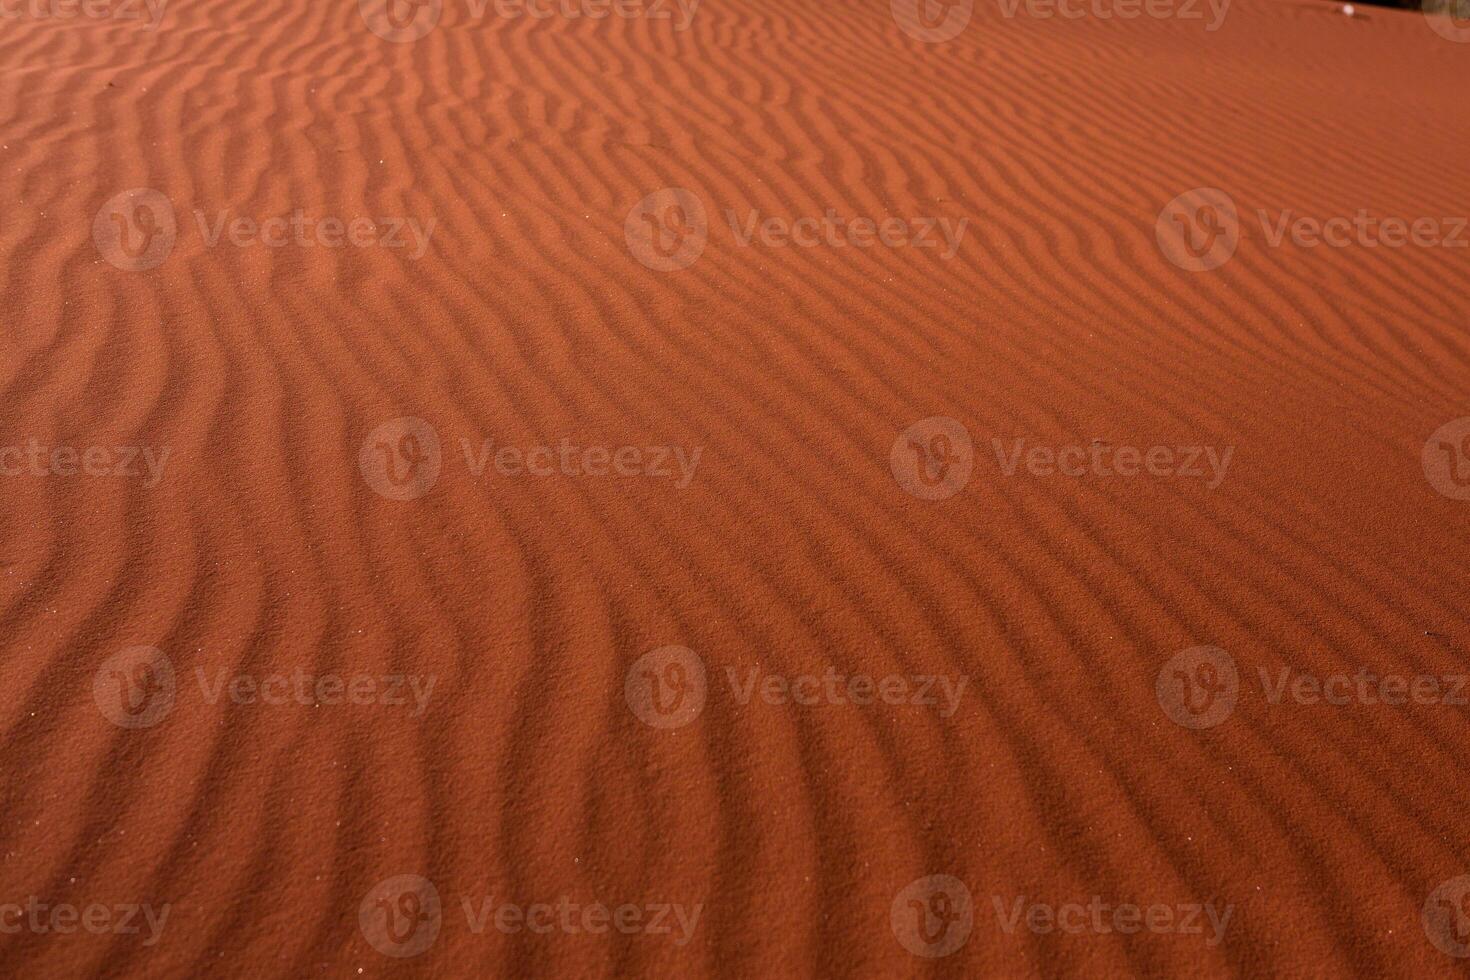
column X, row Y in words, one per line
column 479, row 434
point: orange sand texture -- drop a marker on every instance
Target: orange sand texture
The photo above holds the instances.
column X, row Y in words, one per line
column 870, row 607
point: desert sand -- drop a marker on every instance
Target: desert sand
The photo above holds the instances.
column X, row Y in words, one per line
column 494, row 468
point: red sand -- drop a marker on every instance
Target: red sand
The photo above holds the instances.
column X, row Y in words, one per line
column 274, row 542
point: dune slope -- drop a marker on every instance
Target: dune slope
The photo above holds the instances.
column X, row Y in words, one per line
column 490, row 430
